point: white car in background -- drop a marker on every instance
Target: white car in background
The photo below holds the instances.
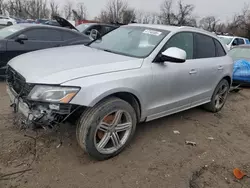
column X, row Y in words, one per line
column 5, row 20
column 231, row 41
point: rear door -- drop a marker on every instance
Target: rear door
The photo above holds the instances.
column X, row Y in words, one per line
column 209, row 66
column 38, row 38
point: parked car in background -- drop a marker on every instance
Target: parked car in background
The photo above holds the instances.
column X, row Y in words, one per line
column 53, row 23
column 7, row 21
column 22, row 38
column 231, row 41
column 18, row 20
column 133, row 74
column 100, row 27
column 41, row 21
column 87, row 27
column 241, row 57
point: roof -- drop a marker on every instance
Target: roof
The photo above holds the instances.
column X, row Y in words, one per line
column 157, row 26
column 26, row 25
column 226, row 36
column 174, row 28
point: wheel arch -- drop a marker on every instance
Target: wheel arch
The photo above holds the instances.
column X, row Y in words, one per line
column 127, row 96
column 228, row 78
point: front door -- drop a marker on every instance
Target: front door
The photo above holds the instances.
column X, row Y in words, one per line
column 37, row 39
column 173, row 82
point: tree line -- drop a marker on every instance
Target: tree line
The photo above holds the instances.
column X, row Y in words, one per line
column 171, row 12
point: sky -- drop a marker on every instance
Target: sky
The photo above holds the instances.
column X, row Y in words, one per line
column 223, row 9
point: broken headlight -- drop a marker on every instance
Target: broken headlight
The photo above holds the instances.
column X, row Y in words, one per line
column 55, row 94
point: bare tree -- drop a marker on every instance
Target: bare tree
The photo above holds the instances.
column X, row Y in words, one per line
column 128, row 16
column 183, row 16
column 167, row 14
column 68, row 7
column 80, row 12
column 116, row 11
column 241, row 23
column 54, row 8
column 209, row 23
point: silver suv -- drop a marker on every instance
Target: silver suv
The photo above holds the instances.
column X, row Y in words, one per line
column 133, row 74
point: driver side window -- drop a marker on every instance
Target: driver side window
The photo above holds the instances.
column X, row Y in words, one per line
column 184, row 41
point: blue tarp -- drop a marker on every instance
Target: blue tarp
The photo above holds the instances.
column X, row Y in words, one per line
column 241, row 71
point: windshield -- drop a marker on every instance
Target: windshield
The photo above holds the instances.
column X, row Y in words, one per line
column 82, row 27
column 7, row 31
column 240, row 53
column 131, row 41
column 226, row 40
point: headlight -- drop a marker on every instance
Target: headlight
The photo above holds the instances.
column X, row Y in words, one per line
column 55, row 94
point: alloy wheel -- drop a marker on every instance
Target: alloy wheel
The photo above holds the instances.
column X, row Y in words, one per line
column 113, row 131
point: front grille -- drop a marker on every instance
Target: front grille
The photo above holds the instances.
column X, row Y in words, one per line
column 18, row 82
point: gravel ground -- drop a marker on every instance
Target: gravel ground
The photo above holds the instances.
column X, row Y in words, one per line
column 156, row 158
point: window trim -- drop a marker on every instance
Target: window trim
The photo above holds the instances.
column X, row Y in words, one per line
column 216, row 51
column 161, row 50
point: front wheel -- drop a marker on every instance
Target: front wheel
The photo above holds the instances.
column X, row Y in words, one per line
column 219, row 97
column 9, row 23
column 106, row 129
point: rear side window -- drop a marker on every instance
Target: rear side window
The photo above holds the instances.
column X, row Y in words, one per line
column 204, row 46
column 247, row 41
column 219, row 49
column 44, row 34
column 69, row 35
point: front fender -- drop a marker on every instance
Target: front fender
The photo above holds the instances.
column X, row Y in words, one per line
column 96, row 88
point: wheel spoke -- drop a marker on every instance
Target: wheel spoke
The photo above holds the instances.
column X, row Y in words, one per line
column 117, row 118
column 115, row 139
column 223, row 91
column 105, row 139
column 104, row 127
column 123, row 127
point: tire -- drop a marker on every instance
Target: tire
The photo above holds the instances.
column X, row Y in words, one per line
column 88, row 129
column 9, row 23
column 212, row 106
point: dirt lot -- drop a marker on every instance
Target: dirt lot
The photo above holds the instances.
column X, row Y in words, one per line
column 156, row 158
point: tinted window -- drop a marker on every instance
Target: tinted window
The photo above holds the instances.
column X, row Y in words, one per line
column 241, row 41
column 69, row 35
column 219, row 49
column 183, row 41
column 44, row 34
column 204, row 46
column 97, row 27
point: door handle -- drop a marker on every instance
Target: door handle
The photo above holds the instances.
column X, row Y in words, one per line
column 220, row 67
column 193, row 71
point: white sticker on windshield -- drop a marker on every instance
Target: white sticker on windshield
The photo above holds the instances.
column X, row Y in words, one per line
column 152, row 32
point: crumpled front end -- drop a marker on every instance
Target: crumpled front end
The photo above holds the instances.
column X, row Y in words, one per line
column 35, row 113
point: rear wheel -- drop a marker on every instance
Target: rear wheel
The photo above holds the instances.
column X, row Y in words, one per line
column 106, row 129
column 219, row 97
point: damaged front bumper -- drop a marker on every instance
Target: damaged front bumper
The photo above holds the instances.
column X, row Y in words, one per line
column 38, row 113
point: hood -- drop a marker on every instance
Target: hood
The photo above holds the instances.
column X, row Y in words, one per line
column 62, row 64
column 64, row 23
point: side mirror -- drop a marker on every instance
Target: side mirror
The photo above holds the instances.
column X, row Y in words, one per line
column 21, row 38
column 173, row 54
column 94, row 34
